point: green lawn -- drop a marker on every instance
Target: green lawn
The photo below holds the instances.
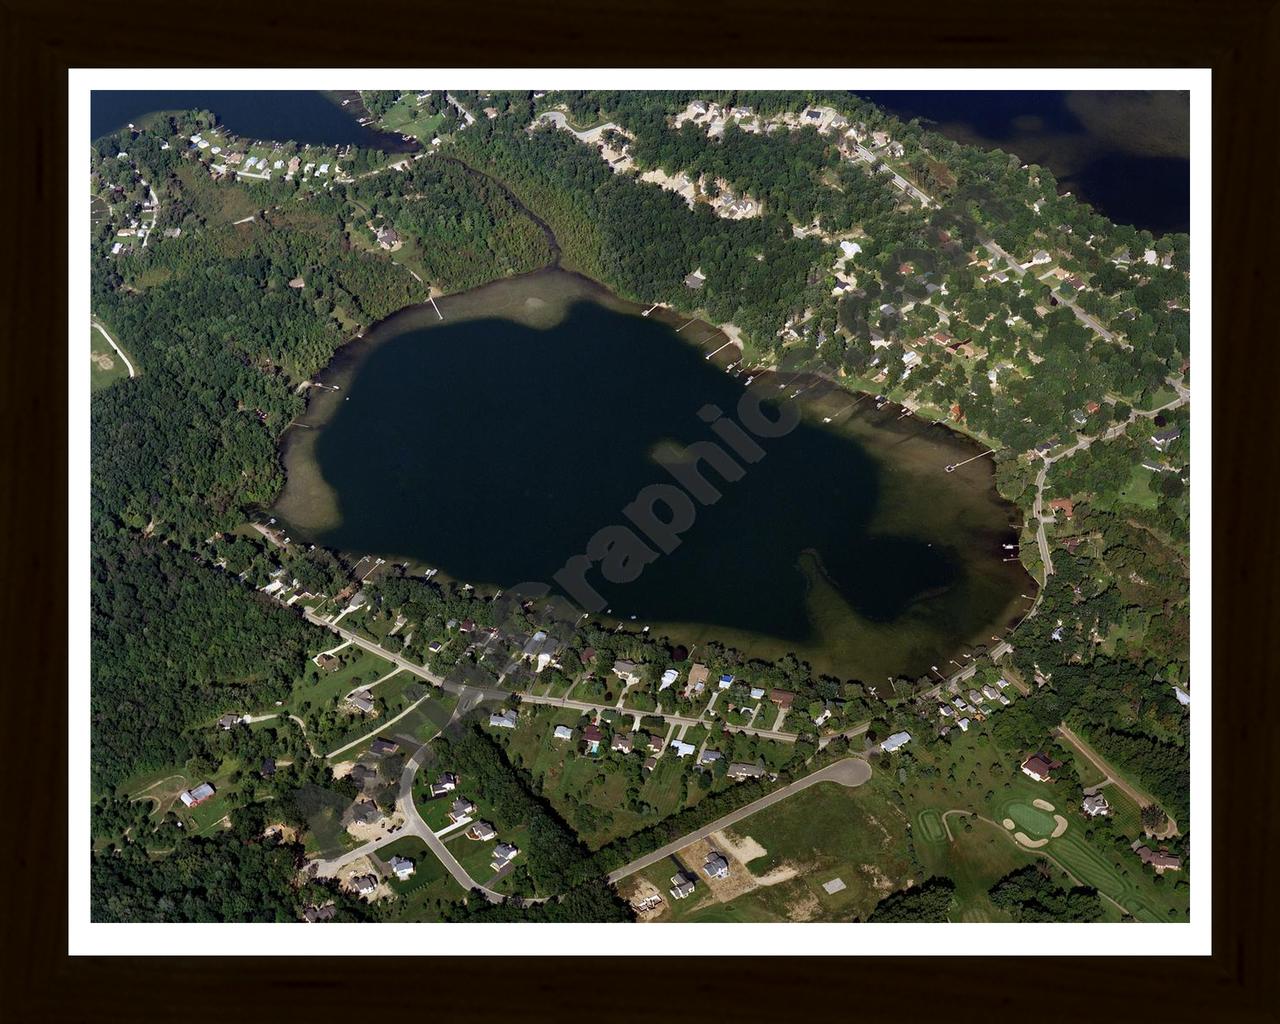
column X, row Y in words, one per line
column 1137, row 489
column 359, row 668
column 105, row 367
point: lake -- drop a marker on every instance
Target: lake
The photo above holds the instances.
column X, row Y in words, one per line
column 495, row 443
column 1127, row 154
column 280, row 115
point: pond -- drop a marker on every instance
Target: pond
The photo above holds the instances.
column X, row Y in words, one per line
column 495, row 443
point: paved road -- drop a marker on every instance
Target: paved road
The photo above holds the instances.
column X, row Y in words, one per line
column 1137, row 796
column 852, row 771
column 589, row 136
column 1084, row 317
column 413, row 826
column 493, row 693
column 1082, row 442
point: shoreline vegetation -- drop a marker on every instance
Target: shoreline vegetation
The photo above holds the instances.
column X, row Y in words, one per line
column 260, row 287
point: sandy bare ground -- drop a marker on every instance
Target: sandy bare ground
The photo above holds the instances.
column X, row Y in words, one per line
column 644, row 890
column 102, row 360
column 743, row 848
column 879, row 880
column 342, row 769
column 364, row 833
column 1044, row 805
column 287, row 833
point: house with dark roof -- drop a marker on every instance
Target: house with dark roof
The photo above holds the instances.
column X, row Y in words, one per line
column 382, row 746
column 681, row 885
column 503, row 854
column 230, row 721
column 1040, row 767
column 742, row 770
column 592, row 736
column 366, row 812
column 362, row 701
column 1096, row 804
column 460, row 808
column 717, row 866
column 1161, row 860
column 783, row 698
column 622, row 742
column 446, row 783
column 482, row 831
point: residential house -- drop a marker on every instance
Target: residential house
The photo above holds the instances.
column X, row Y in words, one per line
column 1039, row 767
column 897, row 740
column 1164, row 438
column 698, row 675
column 313, row 914
column 655, row 744
column 328, row 662
column 783, row 698
column 695, row 280
column 230, row 721
column 507, row 720
column 382, row 746
column 626, row 671
column 991, row 692
column 362, row 701
column 1161, row 860
column 741, row 770
column 650, row 763
column 591, row 736
column 1096, row 804
column 435, row 647
column 482, row 831
column 757, row 692
column 681, row 748
column 717, row 866
column 461, row 808
column 668, row 678
column 622, row 742
column 503, row 854
column 681, row 885
column 387, row 237
column 562, row 732
column 364, row 885
column 268, row 768
column 1066, row 505
column 447, row 783
column 725, row 681
column 365, row 812
column 709, row 757
column 403, row 868
column 963, row 723
column 192, row 797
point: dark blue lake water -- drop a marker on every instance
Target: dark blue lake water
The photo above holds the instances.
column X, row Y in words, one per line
column 279, row 115
column 1126, row 154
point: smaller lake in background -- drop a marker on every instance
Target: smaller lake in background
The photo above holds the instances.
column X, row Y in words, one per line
column 280, row 115
column 1127, row 154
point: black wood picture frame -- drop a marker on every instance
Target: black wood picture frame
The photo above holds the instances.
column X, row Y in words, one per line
column 1237, row 38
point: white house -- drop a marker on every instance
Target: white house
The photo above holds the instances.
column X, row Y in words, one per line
column 563, row 732
column 898, row 739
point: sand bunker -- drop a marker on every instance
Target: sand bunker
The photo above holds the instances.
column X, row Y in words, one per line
column 1008, row 823
column 1044, row 805
column 1059, row 826
column 1033, row 844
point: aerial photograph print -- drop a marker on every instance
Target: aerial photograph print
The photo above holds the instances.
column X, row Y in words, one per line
column 766, row 504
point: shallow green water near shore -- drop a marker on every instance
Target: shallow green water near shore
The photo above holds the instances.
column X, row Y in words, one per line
column 495, row 443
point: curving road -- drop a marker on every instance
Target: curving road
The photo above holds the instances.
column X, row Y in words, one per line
column 413, row 826
column 112, row 342
column 852, row 771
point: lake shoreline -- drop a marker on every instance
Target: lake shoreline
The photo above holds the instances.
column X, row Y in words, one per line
column 493, row 301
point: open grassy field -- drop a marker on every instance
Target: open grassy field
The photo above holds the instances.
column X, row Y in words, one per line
column 1137, row 490
column 105, row 367
column 783, row 855
column 359, row 668
column 987, row 782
